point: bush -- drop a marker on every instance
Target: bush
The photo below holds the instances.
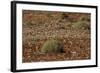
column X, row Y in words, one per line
column 52, row 46
column 81, row 25
column 85, row 18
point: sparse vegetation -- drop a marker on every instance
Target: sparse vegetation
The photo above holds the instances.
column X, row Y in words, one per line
column 46, row 34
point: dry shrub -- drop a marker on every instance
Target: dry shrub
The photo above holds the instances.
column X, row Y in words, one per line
column 52, row 46
column 81, row 25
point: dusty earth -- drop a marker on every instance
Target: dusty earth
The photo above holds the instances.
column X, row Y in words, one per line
column 72, row 29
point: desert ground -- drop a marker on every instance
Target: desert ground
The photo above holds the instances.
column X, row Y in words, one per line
column 72, row 29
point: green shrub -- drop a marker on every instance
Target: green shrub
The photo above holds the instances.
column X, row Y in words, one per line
column 52, row 46
column 85, row 18
column 81, row 25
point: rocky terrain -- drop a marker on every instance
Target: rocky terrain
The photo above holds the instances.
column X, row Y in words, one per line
column 72, row 29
